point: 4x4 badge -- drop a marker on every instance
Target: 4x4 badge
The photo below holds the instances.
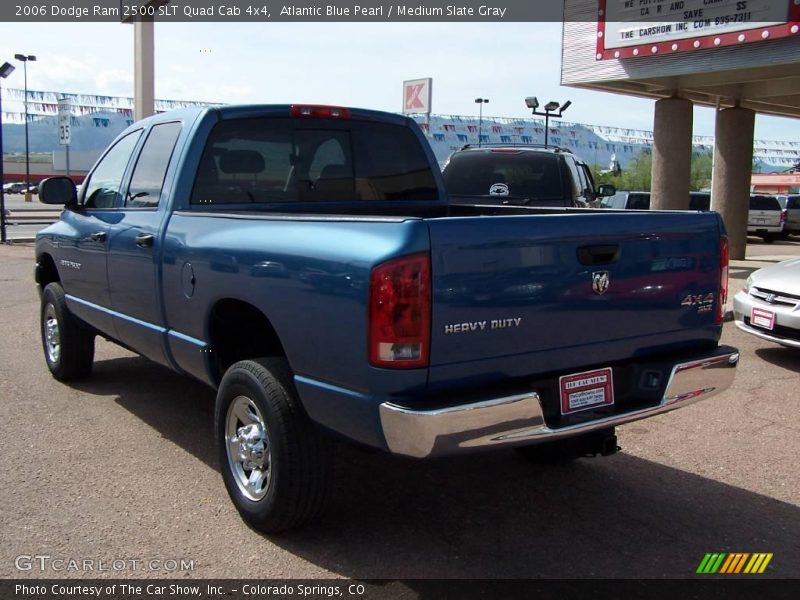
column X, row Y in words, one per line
column 600, row 282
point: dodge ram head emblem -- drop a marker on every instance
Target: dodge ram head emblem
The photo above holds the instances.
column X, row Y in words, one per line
column 498, row 189
column 600, row 282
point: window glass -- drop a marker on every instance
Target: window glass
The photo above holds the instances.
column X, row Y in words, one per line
column 574, row 177
column 587, row 175
column 269, row 160
column 324, row 165
column 151, row 166
column 793, row 202
column 390, row 164
column 103, row 186
column 764, row 203
column 639, row 201
column 582, row 179
column 534, row 176
column 247, row 160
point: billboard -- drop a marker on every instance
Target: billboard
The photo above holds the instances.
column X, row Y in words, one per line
column 631, row 28
column 417, row 95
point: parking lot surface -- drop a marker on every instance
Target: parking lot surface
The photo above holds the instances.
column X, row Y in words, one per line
column 122, row 467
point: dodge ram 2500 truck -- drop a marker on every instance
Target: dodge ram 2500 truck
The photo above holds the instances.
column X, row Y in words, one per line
column 304, row 261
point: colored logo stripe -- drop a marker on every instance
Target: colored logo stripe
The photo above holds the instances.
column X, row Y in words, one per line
column 720, row 562
column 758, row 563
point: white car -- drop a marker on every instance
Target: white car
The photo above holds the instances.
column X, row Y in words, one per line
column 13, row 188
column 765, row 218
column 769, row 304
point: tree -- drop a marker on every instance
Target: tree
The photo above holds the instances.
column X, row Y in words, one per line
column 700, row 175
column 637, row 175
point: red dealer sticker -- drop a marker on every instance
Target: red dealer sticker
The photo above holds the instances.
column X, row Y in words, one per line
column 763, row 318
column 582, row 391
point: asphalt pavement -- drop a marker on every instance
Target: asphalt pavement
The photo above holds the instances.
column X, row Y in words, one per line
column 122, row 466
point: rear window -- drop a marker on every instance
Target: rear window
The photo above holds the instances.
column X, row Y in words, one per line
column 793, row 202
column 639, row 201
column 764, row 203
column 281, row 160
column 527, row 175
column 699, row 201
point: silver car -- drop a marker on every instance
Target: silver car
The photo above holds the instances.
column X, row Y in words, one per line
column 766, row 218
column 769, row 304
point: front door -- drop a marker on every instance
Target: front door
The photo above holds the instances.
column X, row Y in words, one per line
column 134, row 257
column 83, row 263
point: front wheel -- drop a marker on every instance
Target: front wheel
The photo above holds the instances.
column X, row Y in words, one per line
column 68, row 344
column 275, row 463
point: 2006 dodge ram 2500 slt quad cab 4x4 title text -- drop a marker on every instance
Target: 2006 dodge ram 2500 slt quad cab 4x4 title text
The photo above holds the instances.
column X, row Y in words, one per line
column 305, row 262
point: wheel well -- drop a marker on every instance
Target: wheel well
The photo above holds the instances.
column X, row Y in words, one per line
column 239, row 331
column 46, row 271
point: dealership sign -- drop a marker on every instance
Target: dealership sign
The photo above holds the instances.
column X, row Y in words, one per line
column 632, row 28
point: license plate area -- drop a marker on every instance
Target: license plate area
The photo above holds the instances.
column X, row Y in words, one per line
column 586, row 390
column 764, row 319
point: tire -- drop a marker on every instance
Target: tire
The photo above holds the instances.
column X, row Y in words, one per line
column 264, row 436
column 68, row 344
column 562, row 452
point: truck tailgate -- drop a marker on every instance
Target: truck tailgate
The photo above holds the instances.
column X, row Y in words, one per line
column 516, row 295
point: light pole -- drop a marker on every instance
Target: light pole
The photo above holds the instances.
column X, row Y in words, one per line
column 549, row 110
column 5, row 71
column 25, row 58
column 480, row 102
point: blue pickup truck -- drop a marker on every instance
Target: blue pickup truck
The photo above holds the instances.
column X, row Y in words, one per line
column 304, row 261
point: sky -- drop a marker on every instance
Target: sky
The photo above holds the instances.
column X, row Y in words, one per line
column 350, row 64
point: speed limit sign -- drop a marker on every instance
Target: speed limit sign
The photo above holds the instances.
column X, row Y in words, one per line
column 64, row 118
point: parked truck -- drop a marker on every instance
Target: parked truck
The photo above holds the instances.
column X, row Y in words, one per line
column 305, row 262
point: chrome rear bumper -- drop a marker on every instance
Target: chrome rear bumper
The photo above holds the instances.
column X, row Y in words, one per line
column 519, row 419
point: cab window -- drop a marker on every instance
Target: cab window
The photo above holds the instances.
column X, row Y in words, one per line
column 103, row 186
column 151, row 166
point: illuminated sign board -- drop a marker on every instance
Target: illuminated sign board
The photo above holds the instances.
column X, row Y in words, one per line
column 630, row 28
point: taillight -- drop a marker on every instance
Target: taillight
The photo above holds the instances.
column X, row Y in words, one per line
column 400, row 313
column 317, row 111
column 784, row 214
column 724, row 259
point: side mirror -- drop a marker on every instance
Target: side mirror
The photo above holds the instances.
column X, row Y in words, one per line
column 58, row 190
column 605, row 190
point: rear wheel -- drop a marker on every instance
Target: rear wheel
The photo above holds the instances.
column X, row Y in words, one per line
column 275, row 463
column 564, row 451
column 68, row 344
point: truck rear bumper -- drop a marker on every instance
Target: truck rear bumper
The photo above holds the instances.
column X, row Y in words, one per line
column 519, row 419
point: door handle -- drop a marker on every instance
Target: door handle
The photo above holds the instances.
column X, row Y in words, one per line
column 145, row 240
column 606, row 254
column 98, row 236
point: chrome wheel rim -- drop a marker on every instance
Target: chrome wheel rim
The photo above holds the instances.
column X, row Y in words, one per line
column 52, row 334
column 248, row 448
